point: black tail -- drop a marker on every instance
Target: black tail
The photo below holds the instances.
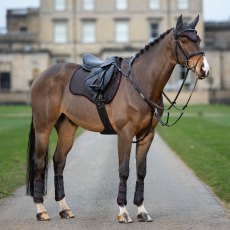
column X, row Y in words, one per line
column 31, row 164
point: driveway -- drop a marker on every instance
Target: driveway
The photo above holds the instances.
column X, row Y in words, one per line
column 174, row 197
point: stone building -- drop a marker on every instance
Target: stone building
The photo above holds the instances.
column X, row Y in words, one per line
column 21, row 58
column 217, row 40
column 63, row 30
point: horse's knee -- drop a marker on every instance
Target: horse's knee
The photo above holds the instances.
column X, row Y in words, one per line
column 141, row 169
column 59, row 164
column 124, row 171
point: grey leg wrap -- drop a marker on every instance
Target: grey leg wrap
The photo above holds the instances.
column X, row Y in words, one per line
column 59, row 188
column 121, row 199
column 38, row 191
column 139, row 193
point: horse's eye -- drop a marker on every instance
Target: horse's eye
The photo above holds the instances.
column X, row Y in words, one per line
column 184, row 40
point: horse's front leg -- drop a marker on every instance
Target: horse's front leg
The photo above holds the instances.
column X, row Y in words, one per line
column 141, row 155
column 124, row 148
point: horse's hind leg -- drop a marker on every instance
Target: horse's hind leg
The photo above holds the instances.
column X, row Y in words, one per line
column 141, row 154
column 66, row 131
column 40, row 172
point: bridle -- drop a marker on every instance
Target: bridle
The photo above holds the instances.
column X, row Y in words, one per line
column 130, row 76
column 187, row 56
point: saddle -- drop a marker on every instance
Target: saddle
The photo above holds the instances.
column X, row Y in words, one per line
column 100, row 73
column 98, row 81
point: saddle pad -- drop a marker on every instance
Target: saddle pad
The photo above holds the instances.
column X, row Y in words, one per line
column 78, row 86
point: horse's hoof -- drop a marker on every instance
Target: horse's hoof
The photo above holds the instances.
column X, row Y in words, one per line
column 144, row 217
column 42, row 216
column 124, row 218
column 66, row 214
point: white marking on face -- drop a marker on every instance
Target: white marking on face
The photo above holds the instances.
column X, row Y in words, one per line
column 62, row 204
column 40, row 208
column 205, row 68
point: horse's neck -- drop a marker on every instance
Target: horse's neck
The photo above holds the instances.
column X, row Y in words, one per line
column 157, row 66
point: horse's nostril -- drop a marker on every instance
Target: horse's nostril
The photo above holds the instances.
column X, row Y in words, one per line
column 202, row 68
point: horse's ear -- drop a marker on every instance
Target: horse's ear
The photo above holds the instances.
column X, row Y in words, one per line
column 194, row 23
column 179, row 22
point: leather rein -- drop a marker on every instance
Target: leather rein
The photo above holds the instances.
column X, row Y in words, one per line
column 130, row 76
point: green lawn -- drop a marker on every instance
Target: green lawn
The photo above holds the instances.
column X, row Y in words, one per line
column 202, row 140
column 14, row 130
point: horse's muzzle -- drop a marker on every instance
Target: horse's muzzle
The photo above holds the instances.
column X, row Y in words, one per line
column 204, row 70
column 203, row 75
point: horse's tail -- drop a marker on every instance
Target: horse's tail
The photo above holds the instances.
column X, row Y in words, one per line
column 31, row 164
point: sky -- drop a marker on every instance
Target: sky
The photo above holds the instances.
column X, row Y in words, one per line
column 214, row 10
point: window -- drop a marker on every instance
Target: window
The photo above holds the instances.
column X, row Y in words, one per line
column 153, row 30
column 182, row 4
column 23, row 29
column 88, row 4
column 60, row 32
column 154, row 4
column 183, row 72
column 60, row 5
column 60, row 59
column 88, row 32
column 121, row 4
column 122, row 31
column 5, row 81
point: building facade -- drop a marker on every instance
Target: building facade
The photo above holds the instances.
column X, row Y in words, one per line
column 21, row 57
column 217, row 40
column 109, row 27
column 63, row 30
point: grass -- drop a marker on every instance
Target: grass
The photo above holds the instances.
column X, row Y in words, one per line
column 14, row 130
column 202, row 140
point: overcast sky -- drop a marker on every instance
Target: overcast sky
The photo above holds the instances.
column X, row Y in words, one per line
column 214, row 10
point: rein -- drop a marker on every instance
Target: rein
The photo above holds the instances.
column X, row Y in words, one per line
column 154, row 106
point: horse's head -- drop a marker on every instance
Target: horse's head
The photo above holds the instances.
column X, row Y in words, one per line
column 187, row 48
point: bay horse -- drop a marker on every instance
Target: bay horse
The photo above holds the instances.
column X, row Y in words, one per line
column 53, row 105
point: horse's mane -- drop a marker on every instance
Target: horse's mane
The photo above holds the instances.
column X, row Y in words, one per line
column 152, row 43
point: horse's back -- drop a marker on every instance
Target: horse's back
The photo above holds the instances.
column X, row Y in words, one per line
column 57, row 74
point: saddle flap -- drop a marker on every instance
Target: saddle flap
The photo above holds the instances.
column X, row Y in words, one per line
column 99, row 78
column 95, row 79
